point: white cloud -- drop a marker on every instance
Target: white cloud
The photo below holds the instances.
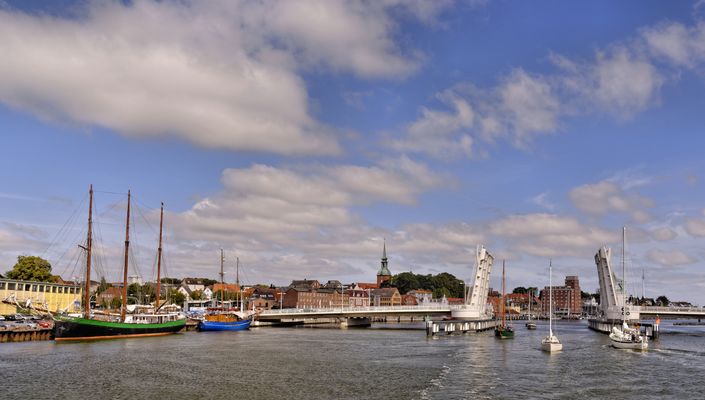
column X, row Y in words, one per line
column 220, row 74
column 521, row 107
column 550, row 235
column 678, row 44
column 695, row 226
column 669, row 258
column 606, row 197
column 664, row 234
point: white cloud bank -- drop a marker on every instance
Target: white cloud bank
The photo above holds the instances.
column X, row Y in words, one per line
column 220, row 74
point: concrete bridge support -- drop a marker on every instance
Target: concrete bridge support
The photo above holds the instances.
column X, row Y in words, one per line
column 355, row 322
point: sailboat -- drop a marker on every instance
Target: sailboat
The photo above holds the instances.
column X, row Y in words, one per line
column 503, row 331
column 625, row 337
column 226, row 318
column 550, row 343
column 530, row 325
column 89, row 325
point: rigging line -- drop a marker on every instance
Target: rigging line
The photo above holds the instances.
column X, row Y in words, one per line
column 146, row 220
column 109, row 192
column 61, row 258
column 73, row 215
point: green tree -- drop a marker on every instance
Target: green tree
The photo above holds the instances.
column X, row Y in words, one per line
column 171, row 281
column 103, row 286
column 31, row 268
column 405, row 282
column 197, row 295
column 520, row 289
column 663, row 301
column 175, row 297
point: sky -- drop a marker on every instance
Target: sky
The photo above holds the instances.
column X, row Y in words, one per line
column 299, row 136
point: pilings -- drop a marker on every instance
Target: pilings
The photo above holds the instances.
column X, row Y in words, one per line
column 450, row 327
column 25, row 335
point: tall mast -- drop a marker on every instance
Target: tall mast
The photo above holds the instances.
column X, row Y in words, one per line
column 502, row 308
column 237, row 281
column 222, row 280
column 159, row 255
column 124, row 271
column 89, row 244
column 624, row 276
column 550, row 297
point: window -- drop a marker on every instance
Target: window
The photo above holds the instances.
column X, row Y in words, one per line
column 53, row 289
column 41, row 288
column 27, row 287
column 2, row 285
column 11, row 286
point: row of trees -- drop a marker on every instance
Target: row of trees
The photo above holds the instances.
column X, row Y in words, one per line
column 443, row 284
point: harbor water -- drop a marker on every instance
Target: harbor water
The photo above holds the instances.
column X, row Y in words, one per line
column 383, row 362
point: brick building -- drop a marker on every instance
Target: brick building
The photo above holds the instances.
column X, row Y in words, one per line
column 566, row 299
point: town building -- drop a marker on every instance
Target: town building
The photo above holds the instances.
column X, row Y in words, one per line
column 54, row 297
column 566, row 299
column 385, row 297
column 359, row 297
column 300, row 297
column 108, row 296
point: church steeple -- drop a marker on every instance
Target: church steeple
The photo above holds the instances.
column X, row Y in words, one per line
column 383, row 274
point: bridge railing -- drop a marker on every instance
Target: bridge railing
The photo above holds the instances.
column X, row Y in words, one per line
column 653, row 309
column 337, row 310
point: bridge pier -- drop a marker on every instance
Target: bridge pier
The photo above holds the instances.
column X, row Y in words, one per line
column 355, row 322
column 450, row 327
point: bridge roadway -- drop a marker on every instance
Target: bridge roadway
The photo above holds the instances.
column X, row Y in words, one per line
column 680, row 312
column 354, row 312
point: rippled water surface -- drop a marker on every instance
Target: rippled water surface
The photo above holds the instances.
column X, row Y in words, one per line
column 377, row 363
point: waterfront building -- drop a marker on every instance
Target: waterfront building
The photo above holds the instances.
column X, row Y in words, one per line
column 300, row 297
column 422, row 296
column 385, row 297
column 53, row 297
column 359, row 298
column 383, row 274
column 566, row 299
column 193, row 284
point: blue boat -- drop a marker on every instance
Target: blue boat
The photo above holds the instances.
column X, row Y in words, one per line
column 240, row 325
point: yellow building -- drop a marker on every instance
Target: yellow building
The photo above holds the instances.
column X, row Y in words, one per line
column 42, row 295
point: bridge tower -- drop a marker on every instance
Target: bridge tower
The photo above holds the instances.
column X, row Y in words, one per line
column 612, row 289
column 476, row 293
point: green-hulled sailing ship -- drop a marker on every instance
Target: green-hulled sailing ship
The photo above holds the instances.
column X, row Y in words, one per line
column 91, row 325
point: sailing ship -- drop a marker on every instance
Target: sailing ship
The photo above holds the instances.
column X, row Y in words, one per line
column 503, row 331
column 626, row 337
column 530, row 325
column 90, row 325
column 226, row 318
column 550, row 343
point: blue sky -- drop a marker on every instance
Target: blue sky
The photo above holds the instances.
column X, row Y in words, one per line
column 298, row 135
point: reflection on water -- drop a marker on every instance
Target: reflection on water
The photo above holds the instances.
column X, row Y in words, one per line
column 378, row 363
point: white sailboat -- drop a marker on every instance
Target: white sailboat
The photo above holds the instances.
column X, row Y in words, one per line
column 627, row 337
column 550, row 343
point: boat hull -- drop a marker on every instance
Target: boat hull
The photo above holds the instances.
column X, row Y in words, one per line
column 71, row 328
column 504, row 333
column 242, row 325
column 629, row 345
column 530, row 326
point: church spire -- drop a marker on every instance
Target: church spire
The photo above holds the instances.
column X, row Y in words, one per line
column 383, row 274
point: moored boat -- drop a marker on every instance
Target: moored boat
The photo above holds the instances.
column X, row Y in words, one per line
column 503, row 331
column 226, row 318
column 89, row 326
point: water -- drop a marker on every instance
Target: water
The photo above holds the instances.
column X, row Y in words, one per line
column 267, row 363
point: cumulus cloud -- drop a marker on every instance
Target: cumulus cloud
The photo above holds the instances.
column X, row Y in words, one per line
column 695, row 226
column 676, row 43
column 550, row 235
column 521, row 107
column 269, row 202
column 668, row 258
column 220, row 74
column 607, row 197
column 663, row 234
